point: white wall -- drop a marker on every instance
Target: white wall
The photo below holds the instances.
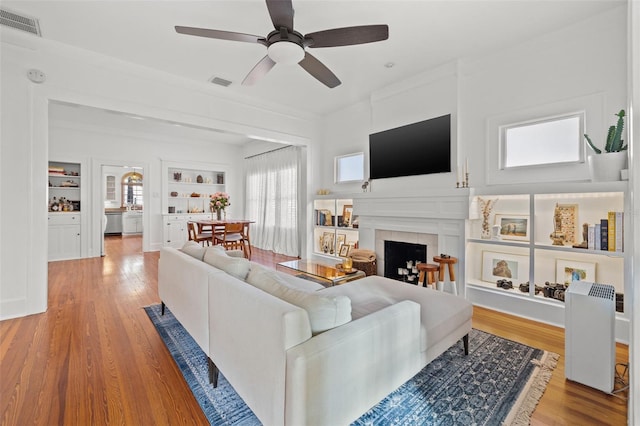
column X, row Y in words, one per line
column 85, row 78
column 571, row 64
column 100, row 145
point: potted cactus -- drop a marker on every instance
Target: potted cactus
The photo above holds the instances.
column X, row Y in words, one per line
column 606, row 166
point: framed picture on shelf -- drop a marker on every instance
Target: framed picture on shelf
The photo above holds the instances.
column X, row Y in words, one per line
column 497, row 266
column 341, row 240
column 573, row 270
column 344, row 250
column 569, row 222
column 513, row 226
column 327, row 242
column 347, row 211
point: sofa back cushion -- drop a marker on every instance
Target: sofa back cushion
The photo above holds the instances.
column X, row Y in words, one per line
column 193, row 249
column 235, row 266
column 324, row 313
column 256, row 270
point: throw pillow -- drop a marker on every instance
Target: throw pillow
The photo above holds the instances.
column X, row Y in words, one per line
column 235, row 266
column 193, row 249
column 324, row 313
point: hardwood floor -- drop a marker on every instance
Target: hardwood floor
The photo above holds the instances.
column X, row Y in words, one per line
column 95, row 358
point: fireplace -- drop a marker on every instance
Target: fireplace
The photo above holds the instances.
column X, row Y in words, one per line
column 401, row 260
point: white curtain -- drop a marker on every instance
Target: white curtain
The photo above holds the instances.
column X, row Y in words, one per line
column 272, row 181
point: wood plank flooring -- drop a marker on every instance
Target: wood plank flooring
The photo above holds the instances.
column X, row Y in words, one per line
column 94, row 357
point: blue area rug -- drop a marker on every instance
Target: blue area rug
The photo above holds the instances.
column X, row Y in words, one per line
column 500, row 381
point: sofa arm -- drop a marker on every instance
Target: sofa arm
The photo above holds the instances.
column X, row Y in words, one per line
column 338, row 375
column 183, row 285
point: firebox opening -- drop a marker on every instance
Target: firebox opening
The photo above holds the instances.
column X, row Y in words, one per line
column 401, row 260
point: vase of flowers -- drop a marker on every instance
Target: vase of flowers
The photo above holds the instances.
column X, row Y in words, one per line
column 218, row 203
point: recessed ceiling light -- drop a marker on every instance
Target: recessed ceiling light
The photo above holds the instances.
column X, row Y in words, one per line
column 389, row 64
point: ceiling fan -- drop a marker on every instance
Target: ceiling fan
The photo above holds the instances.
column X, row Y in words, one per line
column 287, row 46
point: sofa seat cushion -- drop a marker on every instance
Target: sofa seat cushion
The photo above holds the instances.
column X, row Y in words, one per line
column 440, row 313
column 324, row 312
column 235, row 266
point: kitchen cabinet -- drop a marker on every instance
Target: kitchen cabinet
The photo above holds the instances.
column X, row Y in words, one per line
column 131, row 223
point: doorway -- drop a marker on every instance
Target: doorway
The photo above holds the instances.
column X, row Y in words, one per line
column 122, row 206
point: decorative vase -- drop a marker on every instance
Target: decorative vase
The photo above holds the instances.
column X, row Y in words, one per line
column 219, row 214
column 606, row 167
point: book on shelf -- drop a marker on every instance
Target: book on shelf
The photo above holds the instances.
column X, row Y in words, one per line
column 598, row 237
column 591, row 237
column 604, row 234
column 619, row 232
column 612, row 231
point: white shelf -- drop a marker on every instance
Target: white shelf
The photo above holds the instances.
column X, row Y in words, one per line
column 537, row 260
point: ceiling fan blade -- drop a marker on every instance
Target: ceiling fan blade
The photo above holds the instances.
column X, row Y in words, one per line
column 348, row 36
column 223, row 35
column 259, row 71
column 319, row 71
column 281, row 12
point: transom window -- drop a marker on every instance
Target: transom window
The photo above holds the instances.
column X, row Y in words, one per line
column 549, row 140
column 349, row 168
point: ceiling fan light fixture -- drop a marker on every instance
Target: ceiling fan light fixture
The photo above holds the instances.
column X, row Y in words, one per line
column 285, row 52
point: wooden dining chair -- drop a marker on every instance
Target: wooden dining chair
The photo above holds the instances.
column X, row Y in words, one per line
column 247, row 240
column 198, row 237
column 232, row 238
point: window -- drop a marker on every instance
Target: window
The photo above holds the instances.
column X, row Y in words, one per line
column 551, row 140
column 349, row 168
column 132, row 190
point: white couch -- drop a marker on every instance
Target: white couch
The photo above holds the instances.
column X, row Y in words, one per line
column 267, row 349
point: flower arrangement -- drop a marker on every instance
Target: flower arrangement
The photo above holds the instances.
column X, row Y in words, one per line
column 219, row 201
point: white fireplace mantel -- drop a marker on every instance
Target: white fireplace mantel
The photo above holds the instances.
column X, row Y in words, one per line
column 441, row 213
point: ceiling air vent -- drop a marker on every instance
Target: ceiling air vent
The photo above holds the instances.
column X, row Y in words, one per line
column 19, row 22
column 220, row 81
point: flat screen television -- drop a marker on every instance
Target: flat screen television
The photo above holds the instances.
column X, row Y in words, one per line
column 415, row 149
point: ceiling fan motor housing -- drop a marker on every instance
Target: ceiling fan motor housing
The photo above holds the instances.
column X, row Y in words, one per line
column 285, row 47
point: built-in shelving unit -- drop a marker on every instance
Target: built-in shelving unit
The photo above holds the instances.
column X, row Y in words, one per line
column 64, row 229
column 187, row 189
column 335, row 227
column 542, row 236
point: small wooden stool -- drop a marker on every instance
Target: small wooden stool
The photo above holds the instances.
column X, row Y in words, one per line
column 428, row 269
column 448, row 262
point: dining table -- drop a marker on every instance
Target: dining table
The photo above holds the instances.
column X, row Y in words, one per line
column 217, row 225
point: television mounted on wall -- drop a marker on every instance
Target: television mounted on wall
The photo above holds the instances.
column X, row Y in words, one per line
column 415, row 149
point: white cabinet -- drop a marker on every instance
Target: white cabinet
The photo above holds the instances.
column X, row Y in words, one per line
column 131, row 223
column 537, row 237
column 335, row 229
column 175, row 228
column 64, row 236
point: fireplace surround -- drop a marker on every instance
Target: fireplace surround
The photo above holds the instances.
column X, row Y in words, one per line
column 435, row 218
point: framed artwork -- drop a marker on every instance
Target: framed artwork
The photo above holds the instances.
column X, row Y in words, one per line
column 327, row 242
column 342, row 239
column 573, row 270
column 344, row 250
column 347, row 212
column 569, row 222
column 513, row 226
column 497, row 266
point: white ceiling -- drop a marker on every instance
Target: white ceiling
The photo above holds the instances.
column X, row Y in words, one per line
column 422, row 35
